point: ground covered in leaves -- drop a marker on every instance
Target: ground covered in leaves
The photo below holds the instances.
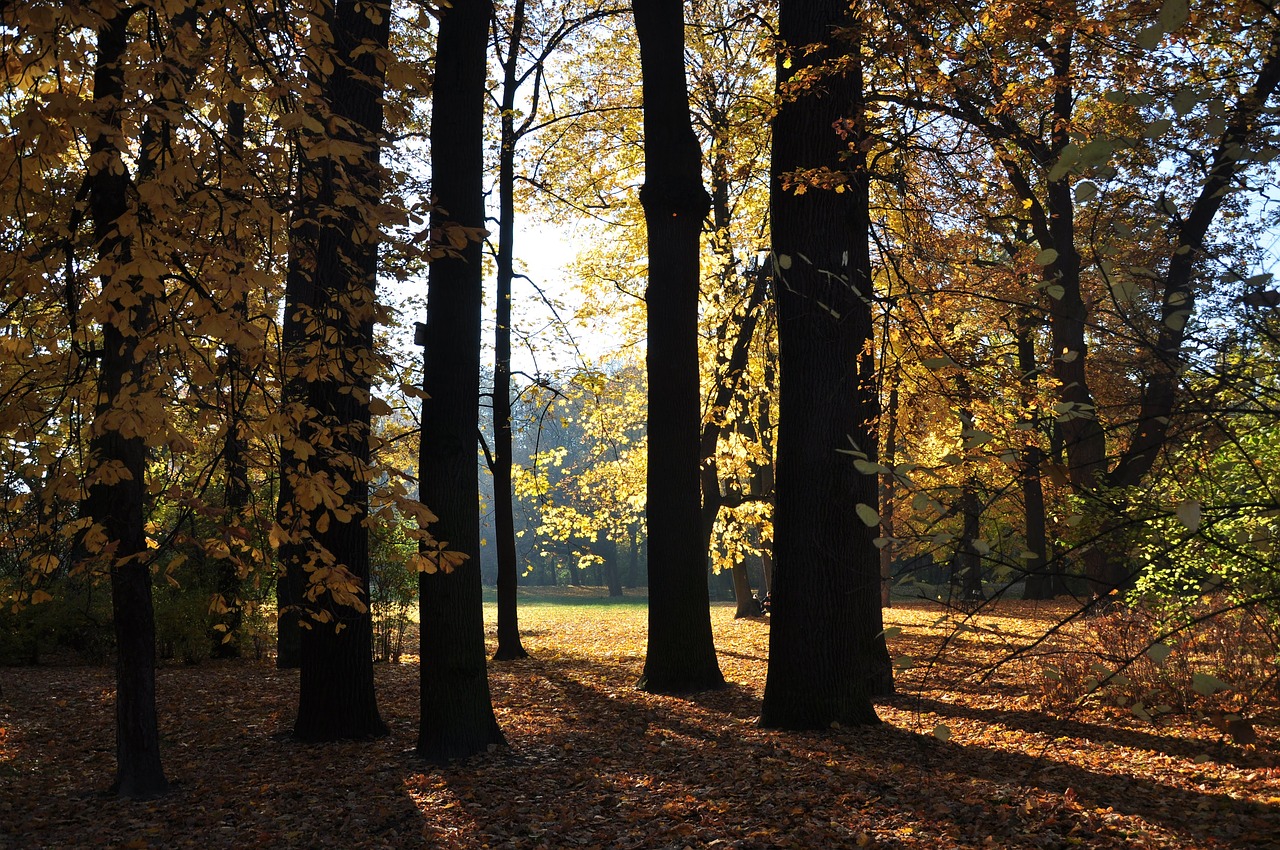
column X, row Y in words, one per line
column 591, row 762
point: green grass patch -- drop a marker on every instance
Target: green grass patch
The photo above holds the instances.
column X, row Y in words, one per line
column 573, row 596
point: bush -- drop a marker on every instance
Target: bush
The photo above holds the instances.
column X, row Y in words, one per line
column 77, row 618
column 184, row 626
column 1213, row 659
column 393, row 589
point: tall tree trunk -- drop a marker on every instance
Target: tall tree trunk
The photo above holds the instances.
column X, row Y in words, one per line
column 236, row 477
column 115, row 501
column 456, row 718
column 336, row 696
column 822, row 643
column 509, row 645
column 301, row 299
column 681, row 653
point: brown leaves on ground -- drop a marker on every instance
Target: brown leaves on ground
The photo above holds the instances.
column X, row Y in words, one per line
column 594, row 763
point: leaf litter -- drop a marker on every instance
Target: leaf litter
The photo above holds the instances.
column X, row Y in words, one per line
column 592, row 762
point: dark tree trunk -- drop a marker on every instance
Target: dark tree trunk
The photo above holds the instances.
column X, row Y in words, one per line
column 729, row 371
column 889, row 458
column 116, row 505
column 746, row 604
column 968, row 574
column 456, row 717
column 681, row 655
column 823, row 661
column 301, row 300
column 336, row 691
column 762, row 482
column 236, row 486
column 509, row 645
column 608, row 549
column 633, row 554
column 1042, row 582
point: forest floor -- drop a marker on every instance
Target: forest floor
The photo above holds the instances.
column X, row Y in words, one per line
column 592, row 762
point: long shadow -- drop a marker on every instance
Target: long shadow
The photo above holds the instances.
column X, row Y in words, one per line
column 1032, row 721
column 742, row 655
column 626, row 740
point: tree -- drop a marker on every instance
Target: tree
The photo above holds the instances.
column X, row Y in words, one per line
column 117, row 472
column 521, row 36
column 325, row 507
column 456, row 712
column 681, row 652
column 825, row 644
column 1077, row 160
column 509, row 645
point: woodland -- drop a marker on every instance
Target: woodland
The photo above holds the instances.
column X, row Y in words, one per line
column 894, row 463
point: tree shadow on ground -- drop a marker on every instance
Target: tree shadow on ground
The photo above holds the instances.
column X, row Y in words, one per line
column 704, row 754
column 1056, row 726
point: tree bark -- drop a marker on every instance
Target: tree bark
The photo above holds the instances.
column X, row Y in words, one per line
column 336, row 696
column 117, row 472
column 822, row 653
column 456, row 718
column 681, row 654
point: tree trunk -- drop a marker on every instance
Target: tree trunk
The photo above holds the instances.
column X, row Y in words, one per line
column 968, row 574
column 729, row 371
column 336, row 691
column 1041, row 581
column 745, row 602
column 456, row 718
column 236, row 479
column 115, row 503
column 509, row 645
column 633, row 554
column 890, row 480
column 822, row 652
column 681, row 653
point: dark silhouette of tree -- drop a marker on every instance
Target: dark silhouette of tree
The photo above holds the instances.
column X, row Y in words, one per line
column 456, row 711
column 825, row 646
column 117, row 471
column 509, row 645
column 681, row 653
column 332, row 279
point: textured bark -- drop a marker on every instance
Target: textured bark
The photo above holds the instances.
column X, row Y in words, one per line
column 456, row 717
column 681, row 654
column 825, row 613
column 118, row 508
column 336, row 696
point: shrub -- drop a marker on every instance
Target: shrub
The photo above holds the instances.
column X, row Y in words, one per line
column 1213, row 659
